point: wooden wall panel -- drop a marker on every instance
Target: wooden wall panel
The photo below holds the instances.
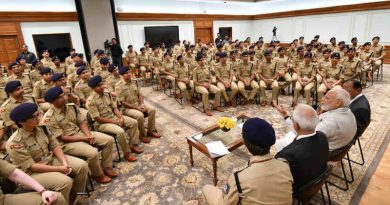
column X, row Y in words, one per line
column 37, row 16
column 387, row 57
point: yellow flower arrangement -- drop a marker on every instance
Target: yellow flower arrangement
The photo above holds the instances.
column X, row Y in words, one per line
column 226, row 123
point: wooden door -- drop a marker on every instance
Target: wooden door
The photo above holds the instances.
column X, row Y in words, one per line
column 9, row 49
column 205, row 34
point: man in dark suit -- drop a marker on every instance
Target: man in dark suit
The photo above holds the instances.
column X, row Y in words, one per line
column 308, row 153
column 359, row 105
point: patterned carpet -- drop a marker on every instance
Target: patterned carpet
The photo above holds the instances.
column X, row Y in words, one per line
column 163, row 174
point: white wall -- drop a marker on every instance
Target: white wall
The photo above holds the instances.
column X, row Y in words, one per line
column 38, row 5
column 363, row 25
column 132, row 32
column 240, row 29
column 28, row 29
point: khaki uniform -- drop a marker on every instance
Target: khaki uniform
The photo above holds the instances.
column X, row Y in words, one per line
column 71, row 69
column 35, row 76
column 334, row 48
column 26, row 68
column 182, row 72
column 132, row 58
column 28, row 148
column 29, row 198
column 281, row 67
column 3, row 82
column 168, row 67
column 366, row 58
column 177, row 49
column 351, row 67
column 322, row 66
column 226, row 73
column 203, row 75
column 267, row 182
column 331, row 76
column 144, row 63
column 48, row 63
column 130, row 92
column 103, row 106
column 305, row 72
column 68, row 60
column 104, row 73
column 39, row 91
column 296, row 62
column 246, row 71
column 234, row 64
column 26, row 82
column 378, row 51
column 82, row 90
column 111, row 82
column 156, row 62
column 9, row 105
column 66, row 122
column 60, row 68
column 190, row 60
column 268, row 71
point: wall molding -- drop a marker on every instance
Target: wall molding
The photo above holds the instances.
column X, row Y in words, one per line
column 37, row 16
column 178, row 17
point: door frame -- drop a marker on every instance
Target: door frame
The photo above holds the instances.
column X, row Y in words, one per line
column 204, row 23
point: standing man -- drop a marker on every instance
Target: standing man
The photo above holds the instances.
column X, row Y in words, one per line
column 38, row 153
column 265, row 180
column 65, row 122
column 108, row 118
column 29, row 56
column 132, row 104
column 116, row 52
column 218, row 39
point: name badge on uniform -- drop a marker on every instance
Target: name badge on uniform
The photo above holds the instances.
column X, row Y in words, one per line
column 227, row 188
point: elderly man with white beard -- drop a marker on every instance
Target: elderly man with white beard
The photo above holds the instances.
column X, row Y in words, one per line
column 336, row 121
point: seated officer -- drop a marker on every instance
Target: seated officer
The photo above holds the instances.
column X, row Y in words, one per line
column 38, row 153
column 225, row 73
column 24, row 78
column 41, row 87
column 144, row 62
column 23, row 64
column 305, row 79
column 379, row 53
column 282, row 68
column 59, row 68
column 108, row 118
column 113, row 79
column 3, row 82
column 168, row 68
column 132, row 105
column 103, row 69
column 16, row 97
column 70, row 128
column 40, row 196
column 352, row 65
column 58, row 80
column 131, row 56
column 246, row 76
column 268, row 77
column 81, row 89
column 265, row 180
column 366, row 56
column 183, row 78
column 331, row 76
column 35, row 72
column 202, row 83
column 46, row 60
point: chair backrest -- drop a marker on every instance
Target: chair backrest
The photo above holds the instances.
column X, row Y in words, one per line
column 338, row 154
column 90, row 122
column 309, row 190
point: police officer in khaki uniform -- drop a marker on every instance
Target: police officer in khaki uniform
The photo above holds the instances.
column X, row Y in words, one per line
column 70, row 128
column 81, row 89
column 144, row 62
column 333, row 46
column 352, row 66
column 306, row 79
column 168, row 68
column 323, row 64
column 40, row 196
column 35, row 72
column 155, row 64
column 108, row 118
column 3, row 82
column 379, row 53
column 37, row 152
column 46, row 60
column 234, row 62
column 24, row 78
column 131, row 56
column 113, row 79
column 202, row 83
column 96, row 66
column 71, row 68
column 366, row 56
column 22, row 62
column 103, row 69
column 246, row 78
column 268, row 74
column 16, row 97
column 225, row 73
column 265, row 180
column 132, row 105
column 283, row 68
column 68, row 60
column 331, row 76
column 41, row 87
column 183, row 78
column 59, row 67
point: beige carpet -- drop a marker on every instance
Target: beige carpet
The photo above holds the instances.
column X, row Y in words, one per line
column 163, row 174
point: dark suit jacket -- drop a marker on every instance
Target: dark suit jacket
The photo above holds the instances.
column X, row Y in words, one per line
column 307, row 158
column 362, row 111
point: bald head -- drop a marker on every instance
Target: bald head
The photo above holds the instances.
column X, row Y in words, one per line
column 306, row 117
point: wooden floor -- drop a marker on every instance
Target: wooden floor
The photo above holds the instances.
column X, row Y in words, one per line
column 378, row 189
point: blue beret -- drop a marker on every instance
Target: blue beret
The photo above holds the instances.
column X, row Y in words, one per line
column 80, row 70
column 267, row 53
column 44, row 50
column 95, row 51
column 81, row 63
column 94, row 81
column 308, row 55
column 122, row 70
column 100, row 52
column 245, row 53
column 53, row 93
column 222, row 55
column 12, row 85
column 104, row 61
column 12, row 64
column 55, row 58
column 179, row 57
column 333, row 38
column 45, row 70
column 56, row 76
column 20, row 58
column 258, row 132
column 23, row 111
column 111, row 68
column 34, row 62
column 73, row 55
column 335, row 55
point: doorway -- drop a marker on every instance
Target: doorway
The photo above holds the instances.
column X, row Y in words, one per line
column 225, row 31
column 9, row 49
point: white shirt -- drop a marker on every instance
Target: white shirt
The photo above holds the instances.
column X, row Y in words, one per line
column 280, row 144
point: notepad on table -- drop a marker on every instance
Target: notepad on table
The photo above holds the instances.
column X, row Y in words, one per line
column 216, row 149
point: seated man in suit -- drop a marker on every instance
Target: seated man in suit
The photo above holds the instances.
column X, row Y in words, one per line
column 305, row 167
column 265, row 180
column 359, row 105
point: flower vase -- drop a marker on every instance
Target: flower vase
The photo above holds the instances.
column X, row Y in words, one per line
column 225, row 129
